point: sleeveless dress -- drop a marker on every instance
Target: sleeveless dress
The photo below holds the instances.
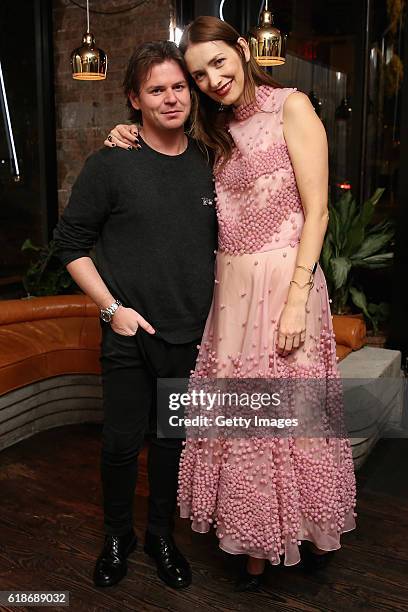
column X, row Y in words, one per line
column 264, row 495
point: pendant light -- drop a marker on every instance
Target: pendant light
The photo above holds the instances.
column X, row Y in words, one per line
column 267, row 43
column 88, row 62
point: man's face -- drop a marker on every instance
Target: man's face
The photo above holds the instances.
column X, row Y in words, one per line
column 164, row 97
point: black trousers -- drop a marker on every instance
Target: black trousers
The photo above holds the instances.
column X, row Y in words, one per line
column 130, row 368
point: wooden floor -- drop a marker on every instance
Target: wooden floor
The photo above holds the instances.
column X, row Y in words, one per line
column 50, row 534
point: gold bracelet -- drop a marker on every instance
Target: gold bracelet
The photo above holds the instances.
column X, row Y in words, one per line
column 309, row 283
column 311, row 270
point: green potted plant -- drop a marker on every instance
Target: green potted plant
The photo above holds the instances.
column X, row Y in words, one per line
column 353, row 242
column 45, row 274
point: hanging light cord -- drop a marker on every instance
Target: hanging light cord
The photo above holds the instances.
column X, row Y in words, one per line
column 117, row 12
column 87, row 16
column 261, row 9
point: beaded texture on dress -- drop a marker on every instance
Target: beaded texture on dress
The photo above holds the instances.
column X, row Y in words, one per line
column 264, row 495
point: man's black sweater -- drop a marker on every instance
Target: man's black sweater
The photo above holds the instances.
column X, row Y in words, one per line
column 152, row 219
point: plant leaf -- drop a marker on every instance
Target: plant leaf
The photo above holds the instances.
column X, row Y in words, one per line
column 369, row 207
column 383, row 226
column 326, row 255
column 382, row 260
column 363, row 216
column 354, row 237
column 335, row 231
column 340, row 267
column 372, row 244
column 351, row 214
column 343, row 206
column 359, row 300
column 379, row 311
column 29, row 246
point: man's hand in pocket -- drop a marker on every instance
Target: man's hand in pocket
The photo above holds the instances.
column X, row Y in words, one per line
column 126, row 322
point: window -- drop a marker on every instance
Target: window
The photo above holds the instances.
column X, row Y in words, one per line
column 26, row 207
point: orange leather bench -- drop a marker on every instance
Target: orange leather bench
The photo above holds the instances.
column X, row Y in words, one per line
column 45, row 337
column 48, row 336
column 49, row 365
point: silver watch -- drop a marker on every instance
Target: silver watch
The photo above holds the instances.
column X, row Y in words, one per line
column 107, row 313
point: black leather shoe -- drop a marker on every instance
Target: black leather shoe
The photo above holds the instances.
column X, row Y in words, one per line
column 311, row 561
column 248, row 582
column 172, row 567
column 111, row 565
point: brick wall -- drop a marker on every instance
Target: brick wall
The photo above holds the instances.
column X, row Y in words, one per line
column 86, row 110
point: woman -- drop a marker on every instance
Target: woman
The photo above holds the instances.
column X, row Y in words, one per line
column 270, row 316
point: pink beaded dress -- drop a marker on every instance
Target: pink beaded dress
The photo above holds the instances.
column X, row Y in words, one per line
column 264, row 495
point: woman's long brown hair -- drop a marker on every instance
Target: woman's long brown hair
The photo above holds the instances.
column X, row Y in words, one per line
column 208, row 123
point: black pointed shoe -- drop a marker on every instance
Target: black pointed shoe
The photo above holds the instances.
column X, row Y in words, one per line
column 248, row 582
column 311, row 561
column 111, row 565
column 172, row 567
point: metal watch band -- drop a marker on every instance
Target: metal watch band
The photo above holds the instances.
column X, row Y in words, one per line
column 113, row 307
column 107, row 313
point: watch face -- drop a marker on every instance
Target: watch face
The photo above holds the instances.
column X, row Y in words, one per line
column 105, row 316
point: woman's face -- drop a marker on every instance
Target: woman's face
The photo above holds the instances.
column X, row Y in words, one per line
column 216, row 67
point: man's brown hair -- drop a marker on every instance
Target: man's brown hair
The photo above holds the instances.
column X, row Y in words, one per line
column 144, row 57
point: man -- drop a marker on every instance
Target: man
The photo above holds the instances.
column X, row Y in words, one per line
column 147, row 213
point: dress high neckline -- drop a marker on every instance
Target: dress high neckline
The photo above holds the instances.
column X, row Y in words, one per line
column 244, row 111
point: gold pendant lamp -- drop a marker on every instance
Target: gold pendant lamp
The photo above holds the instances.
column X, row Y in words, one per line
column 267, row 43
column 88, row 62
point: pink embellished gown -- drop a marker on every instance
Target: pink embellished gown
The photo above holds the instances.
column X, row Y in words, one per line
column 264, row 495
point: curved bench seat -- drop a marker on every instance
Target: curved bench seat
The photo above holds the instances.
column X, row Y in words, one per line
column 49, row 365
column 37, row 350
column 45, row 337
